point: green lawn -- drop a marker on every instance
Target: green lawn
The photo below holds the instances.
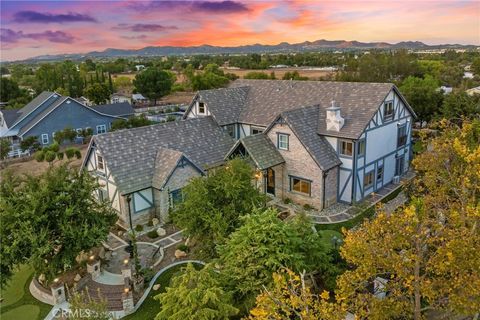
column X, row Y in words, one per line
column 18, row 303
column 150, row 307
column 327, row 236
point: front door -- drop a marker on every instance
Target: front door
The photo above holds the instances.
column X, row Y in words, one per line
column 270, row 181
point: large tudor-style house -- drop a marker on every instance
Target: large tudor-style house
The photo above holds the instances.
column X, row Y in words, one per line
column 314, row 142
column 50, row 112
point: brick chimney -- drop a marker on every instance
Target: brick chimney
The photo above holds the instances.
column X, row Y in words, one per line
column 334, row 120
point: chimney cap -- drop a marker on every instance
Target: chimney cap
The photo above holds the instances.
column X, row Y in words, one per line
column 333, row 106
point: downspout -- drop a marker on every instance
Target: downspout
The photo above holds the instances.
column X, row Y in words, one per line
column 325, row 174
column 129, row 199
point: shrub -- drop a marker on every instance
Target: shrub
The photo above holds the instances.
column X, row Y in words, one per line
column 287, row 200
column 150, row 223
column 152, row 234
column 60, row 155
column 54, row 147
column 50, row 156
column 39, row 156
column 308, row 207
column 183, row 247
column 78, row 154
column 138, row 227
column 70, row 152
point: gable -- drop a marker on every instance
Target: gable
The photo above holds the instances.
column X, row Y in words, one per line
column 65, row 113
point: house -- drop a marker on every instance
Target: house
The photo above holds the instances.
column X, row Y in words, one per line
column 142, row 171
column 85, row 101
column 468, row 75
column 120, row 98
column 445, row 89
column 138, row 100
column 50, row 112
column 339, row 141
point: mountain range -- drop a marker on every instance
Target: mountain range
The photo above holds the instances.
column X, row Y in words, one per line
column 319, row 45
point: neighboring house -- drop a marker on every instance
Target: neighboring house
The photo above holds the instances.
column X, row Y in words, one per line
column 473, row 91
column 50, row 112
column 468, row 75
column 148, row 166
column 84, row 100
column 138, row 100
column 120, row 98
column 339, row 141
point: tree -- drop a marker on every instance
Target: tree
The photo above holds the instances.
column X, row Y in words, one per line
column 288, row 297
column 97, row 92
column 428, row 252
column 52, row 153
column 256, row 75
column 456, row 105
column 67, row 134
column 214, row 204
column 154, row 83
column 211, row 77
column 264, row 244
column 123, row 84
column 5, row 147
column 82, row 306
column 133, row 122
column 423, row 96
column 195, row 294
column 49, row 219
column 9, row 90
column 294, row 75
column 29, row 143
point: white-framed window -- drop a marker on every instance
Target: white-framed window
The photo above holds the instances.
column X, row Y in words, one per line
column 256, row 130
column 401, row 135
column 101, row 129
column 231, row 130
column 345, row 148
column 361, row 147
column 300, row 185
column 368, row 180
column 201, row 108
column 45, row 138
column 100, row 164
column 388, row 110
column 282, row 141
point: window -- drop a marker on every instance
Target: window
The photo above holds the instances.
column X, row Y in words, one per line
column 361, row 147
column 300, row 185
column 102, row 194
column 100, row 165
column 176, row 197
column 388, row 110
column 282, row 142
column 201, row 108
column 380, row 174
column 401, row 136
column 44, row 138
column 256, row 130
column 345, row 148
column 368, row 180
column 101, row 129
column 231, row 130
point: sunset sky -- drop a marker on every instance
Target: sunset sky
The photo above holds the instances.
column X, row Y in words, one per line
column 32, row 28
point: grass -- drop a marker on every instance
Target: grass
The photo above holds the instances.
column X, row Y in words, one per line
column 18, row 303
column 150, row 307
column 367, row 213
column 327, row 235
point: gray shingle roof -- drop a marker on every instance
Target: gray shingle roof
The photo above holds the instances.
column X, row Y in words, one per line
column 165, row 162
column 304, row 123
column 266, row 99
column 29, row 107
column 131, row 154
column 225, row 104
column 115, row 109
column 42, row 114
column 10, row 116
column 261, row 150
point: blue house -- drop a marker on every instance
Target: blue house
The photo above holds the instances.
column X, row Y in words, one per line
column 50, row 112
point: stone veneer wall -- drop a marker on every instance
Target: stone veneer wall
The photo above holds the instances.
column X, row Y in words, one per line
column 298, row 163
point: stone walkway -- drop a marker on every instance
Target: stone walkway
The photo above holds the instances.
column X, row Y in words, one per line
column 170, row 240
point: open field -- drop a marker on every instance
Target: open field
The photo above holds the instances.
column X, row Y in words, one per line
column 311, row 73
column 32, row 167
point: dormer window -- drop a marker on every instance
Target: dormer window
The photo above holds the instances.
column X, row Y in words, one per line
column 100, row 165
column 388, row 110
column 201, row 108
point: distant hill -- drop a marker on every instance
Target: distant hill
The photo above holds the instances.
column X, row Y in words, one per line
column 319, row 45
